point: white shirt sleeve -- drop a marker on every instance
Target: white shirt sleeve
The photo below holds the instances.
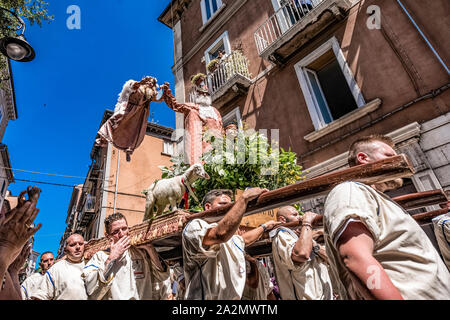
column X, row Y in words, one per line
column 47, row 289
column 193, row 235
column 93, row 275
column 284, row 243
column 351, row 200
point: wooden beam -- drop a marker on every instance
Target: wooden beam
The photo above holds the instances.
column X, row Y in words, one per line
column 264, row 247
column 421, row 199
column 376, row 172
column 165, row 231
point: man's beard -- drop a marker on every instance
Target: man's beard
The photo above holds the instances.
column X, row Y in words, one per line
column 389, row 185
column 203, row 100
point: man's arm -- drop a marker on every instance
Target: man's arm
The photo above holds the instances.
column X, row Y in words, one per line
column 172, row 102
column 228, row 226
column 355, row 246
column 15, row 268
column 16, row 230
column 253, row 235
column 304, row 245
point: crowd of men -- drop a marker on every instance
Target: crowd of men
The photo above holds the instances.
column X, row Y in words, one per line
column 372, row 249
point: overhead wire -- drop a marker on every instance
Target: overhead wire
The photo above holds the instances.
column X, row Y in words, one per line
column 48, row 174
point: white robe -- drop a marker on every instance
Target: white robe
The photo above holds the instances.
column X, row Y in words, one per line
column 134, row 277
column 212, row 273
column 30, row 285
column 441, row 226
column 299, row 281
column 62, row 282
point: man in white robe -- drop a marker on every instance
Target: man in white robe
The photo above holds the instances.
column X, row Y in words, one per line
column 375, row 248
column 63, row 280
column 125, row 272
column 213, row 254
column 300, row 263
column 34, row 281
column 441, row 226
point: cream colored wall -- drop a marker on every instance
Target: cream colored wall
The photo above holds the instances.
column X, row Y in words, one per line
column 135, row 176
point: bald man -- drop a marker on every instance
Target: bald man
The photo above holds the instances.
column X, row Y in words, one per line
column 33, row 282
column 63, row 280
column 300, row 267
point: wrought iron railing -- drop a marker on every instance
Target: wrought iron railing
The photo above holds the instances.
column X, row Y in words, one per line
column 284, row 19
column 234, row 64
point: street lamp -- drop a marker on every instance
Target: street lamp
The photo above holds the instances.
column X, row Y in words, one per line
column 17, row 48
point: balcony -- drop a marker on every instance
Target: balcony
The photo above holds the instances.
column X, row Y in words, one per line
column 294, row 24
column 229, row 80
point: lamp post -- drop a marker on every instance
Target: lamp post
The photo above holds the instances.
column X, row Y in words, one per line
column 17, row 48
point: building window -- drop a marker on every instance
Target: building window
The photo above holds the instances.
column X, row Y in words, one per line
column 209, row 7
column 328, row 85
column 3, row 188
column 168, row 147
column 221, row 44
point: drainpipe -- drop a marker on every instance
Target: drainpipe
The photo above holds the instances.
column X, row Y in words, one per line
column 424, row 37
column 117, row 181
column 104, row 204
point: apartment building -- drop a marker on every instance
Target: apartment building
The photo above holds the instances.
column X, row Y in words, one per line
column 324, row 72
column 114, row 185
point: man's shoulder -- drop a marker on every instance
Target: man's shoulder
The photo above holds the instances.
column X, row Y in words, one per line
column 346, row 185
column 197, row 225
column 283, row 232
column 34, row 276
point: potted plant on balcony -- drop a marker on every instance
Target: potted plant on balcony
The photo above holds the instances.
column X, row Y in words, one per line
column 198, row 78
column 212, row 65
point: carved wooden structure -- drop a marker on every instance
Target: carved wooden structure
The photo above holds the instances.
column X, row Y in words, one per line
column 165, row 231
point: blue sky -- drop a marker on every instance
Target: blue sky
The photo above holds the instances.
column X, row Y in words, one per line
column 62, row 94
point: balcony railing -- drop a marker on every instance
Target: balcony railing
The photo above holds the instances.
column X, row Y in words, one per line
column 283, row 20
column 236, row 64
column 230, row 78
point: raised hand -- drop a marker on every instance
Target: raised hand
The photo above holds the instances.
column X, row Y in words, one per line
column 17, row 230
column 271, row 224
column 118, row 248
column 252, row 193
column 33, row 194
column 309, row 217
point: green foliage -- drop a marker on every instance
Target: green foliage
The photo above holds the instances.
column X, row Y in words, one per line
column 35, row 11
column 249, row 162
column 211, row 65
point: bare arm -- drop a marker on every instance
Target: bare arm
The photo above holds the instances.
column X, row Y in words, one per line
column 172, row 102
column 14, row 270
column 253, row 235
column 355, row 247
column 304, row 245
column 228, row 226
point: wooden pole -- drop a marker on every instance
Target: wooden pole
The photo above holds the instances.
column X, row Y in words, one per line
column 421, row 199
column 165, row 230
column 376, row 172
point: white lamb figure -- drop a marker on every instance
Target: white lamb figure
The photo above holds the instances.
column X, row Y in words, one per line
column 170, row 191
